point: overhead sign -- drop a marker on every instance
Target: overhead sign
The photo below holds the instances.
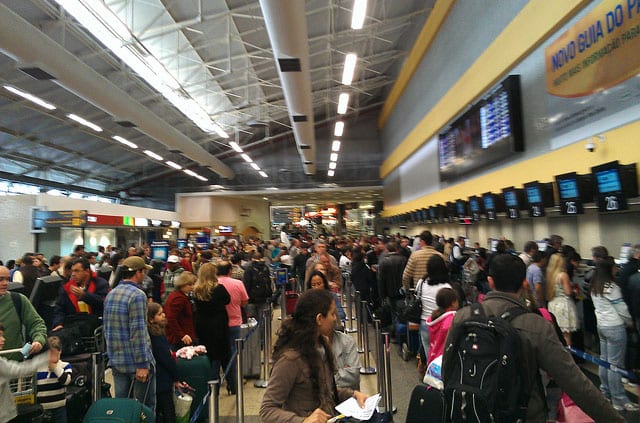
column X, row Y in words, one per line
column 48, row 219
column 598, row 52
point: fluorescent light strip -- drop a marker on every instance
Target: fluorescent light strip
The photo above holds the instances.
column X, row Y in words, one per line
column 32, row 98
column 332, row 165
column 152, row 154
column 343, row 102
column 359, row 13
column 190, row 172
column 124, row 141
column 335, row 146
column 174, row 165
column 263, row 174
column 202, row 178
column 333, row 157
column 116, row 36
column 235, row 146
column 246, row 158
column 84, row 122
column 255, row 166
column 331, row 172
column 349, row 68
column 339, row 129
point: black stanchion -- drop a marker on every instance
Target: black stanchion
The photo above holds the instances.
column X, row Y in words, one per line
column 239, row 375
column 366, row 369
column 359, row 322
column 266, row 319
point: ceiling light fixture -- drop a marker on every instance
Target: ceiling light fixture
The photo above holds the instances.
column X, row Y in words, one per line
column 190, row 172
column 332, row 165
column 333, row 157
column 343, row 102
column 152, row 154
column 32, row 98
column 349, row 68
column 359, row 13
column 263, row 174
column 331, row 172
column 105, row 25
column 235, row 146
column 84, row 122
column 339, row 129
column 246, row 158
column 202, row 178
column 174, row 165
column 255, row 166
column 335, row 146
column 124, row 141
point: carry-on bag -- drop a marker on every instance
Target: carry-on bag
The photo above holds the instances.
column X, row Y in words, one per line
column 251, row 351
column 120, row 410
column 291, row 299
column 426, row 405
column 569, row 412
column 197, row 372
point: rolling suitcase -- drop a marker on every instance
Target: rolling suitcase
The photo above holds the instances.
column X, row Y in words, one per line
column 197, row 372
column 291, row 299
column 118, row 410
column 29, row 413
column 251, row 352
column 426, row 405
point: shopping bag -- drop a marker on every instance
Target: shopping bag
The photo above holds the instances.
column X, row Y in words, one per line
column 182, row 403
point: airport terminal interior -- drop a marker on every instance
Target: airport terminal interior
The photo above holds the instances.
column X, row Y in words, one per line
column 340, row 131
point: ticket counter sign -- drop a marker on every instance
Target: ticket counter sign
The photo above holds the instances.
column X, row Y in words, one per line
column 600, row 51
column 61, row 218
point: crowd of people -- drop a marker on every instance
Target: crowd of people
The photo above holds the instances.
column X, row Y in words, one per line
column 204, row 296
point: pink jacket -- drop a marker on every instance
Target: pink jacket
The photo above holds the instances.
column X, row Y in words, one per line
column 438, row 330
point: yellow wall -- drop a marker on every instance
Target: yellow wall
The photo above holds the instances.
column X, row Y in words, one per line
column 537, row 20
column 621, row 144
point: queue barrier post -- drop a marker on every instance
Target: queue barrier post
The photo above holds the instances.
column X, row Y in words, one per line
column 214, row 408
column 366, row 369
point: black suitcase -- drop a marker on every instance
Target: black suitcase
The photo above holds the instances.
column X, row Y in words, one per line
column 426, row 405
column 78, row 402
column 82, row 370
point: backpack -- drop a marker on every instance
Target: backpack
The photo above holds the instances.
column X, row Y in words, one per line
column 485, row 369
column 260, row 287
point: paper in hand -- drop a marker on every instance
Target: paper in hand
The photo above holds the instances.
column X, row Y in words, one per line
column 351, row 408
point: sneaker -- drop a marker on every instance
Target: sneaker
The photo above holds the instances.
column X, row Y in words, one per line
column 626, row 407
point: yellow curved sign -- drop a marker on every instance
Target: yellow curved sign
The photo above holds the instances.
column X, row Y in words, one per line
column 599, row 51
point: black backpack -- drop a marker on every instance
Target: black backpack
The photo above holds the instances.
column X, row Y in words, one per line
column 260, row 287
column 484, row 370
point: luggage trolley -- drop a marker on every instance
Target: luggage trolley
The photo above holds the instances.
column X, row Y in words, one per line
column 23, row 390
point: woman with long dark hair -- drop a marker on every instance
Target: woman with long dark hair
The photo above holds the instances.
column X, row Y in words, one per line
column 301, row 383
column 612, row 317
column 437, row 277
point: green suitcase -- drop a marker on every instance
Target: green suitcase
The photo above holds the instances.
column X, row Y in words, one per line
column 197, row 372
column 119, row 410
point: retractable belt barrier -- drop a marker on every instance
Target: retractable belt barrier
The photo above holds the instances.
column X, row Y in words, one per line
column 602, row 363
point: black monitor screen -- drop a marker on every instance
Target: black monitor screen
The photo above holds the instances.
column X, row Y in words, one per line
column 533, row 195
column 432, row 213
column 510, row 199
column 608, row 181
column 568, row 188
column 488, row 202
column 474, row 205
column 461, row 208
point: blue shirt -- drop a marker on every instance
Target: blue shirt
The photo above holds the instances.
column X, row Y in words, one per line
column 125, row 328
column 535, row 277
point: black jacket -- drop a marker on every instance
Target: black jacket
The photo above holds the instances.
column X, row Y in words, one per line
column 390, row 270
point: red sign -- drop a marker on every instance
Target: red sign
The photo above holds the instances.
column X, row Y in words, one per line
column 104, row 220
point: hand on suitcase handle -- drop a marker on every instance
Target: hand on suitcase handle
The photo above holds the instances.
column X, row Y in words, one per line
column 142, row 375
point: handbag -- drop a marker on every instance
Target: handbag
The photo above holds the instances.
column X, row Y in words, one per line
column 413, row 312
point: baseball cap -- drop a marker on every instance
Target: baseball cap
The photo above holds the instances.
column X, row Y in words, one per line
column 135, row 263
column 173, row 259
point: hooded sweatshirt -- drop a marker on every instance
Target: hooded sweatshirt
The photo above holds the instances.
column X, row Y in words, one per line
column 438, row 330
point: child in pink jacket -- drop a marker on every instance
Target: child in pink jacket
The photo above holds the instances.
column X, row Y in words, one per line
column 440, row 321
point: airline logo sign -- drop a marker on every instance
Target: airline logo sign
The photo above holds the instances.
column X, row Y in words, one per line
column 598, row 52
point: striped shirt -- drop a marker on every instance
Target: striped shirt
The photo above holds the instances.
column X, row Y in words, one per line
column 416, row 267
column 51, row 385
column 125, row 328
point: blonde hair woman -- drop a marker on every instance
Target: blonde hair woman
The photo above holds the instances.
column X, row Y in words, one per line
column 211, row 320
column 560, row 302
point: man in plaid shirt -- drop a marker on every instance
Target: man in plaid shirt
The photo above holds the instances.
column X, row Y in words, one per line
column 128, row 341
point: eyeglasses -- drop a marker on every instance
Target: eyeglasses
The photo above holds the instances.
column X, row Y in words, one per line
column 5, row 278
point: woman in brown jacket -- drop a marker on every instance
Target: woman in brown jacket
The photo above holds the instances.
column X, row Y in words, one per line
column 301, row 387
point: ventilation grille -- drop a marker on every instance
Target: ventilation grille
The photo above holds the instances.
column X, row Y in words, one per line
column 305, row 147
column 37, row 73
column 126, row 123
column 307, row 162
column 289, row 65
column 300, row 118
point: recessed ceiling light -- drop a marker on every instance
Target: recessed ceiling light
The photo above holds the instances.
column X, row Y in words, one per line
column 152, row 154
column 32, row 98
column 85, row 122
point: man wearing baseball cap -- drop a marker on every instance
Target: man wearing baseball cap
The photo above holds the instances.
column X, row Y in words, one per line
column 171, row 274
column 127, row 338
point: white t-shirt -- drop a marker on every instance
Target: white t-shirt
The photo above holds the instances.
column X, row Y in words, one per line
column 428, row 296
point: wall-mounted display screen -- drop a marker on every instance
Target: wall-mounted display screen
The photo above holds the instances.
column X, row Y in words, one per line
column 568, row 188
column 489, row 201
column 511, row 202
column 614, row 184
column 573, row 191
column 489, row 131
column 538, row 196
column 461, row 209
column 474, row 208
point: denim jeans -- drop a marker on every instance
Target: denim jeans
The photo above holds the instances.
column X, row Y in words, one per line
column 145, row 392
column 424, row 336
column 613, row 344
column 58, row 415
